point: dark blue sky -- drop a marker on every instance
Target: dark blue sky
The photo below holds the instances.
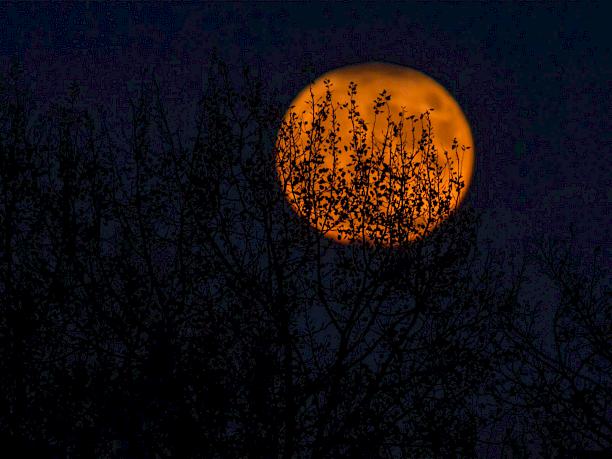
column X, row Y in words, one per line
column 533, row 79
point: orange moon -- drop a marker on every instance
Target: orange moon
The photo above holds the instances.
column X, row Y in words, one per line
column 411, row 93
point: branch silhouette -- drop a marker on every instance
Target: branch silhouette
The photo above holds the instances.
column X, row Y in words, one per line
column 161, row 296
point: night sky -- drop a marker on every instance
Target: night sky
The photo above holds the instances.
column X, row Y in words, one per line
column 533, row 79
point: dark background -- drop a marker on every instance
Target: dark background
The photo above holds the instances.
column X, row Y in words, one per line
column 532, row 78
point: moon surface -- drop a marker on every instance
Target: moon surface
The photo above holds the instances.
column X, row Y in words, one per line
column 323, row 178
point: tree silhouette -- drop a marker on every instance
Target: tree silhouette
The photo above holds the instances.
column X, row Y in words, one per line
column 558, row 366
column 161, row 296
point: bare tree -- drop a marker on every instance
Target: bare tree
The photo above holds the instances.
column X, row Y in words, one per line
column 557, row 379
column 168, row 288
column 370, row 342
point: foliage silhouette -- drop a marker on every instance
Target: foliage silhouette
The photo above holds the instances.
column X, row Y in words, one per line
column 161, row 297
column 381, row 190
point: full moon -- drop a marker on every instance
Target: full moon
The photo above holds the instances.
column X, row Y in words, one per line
column 322, row 153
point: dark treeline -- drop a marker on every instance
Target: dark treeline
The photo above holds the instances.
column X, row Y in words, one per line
column 159, row 297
